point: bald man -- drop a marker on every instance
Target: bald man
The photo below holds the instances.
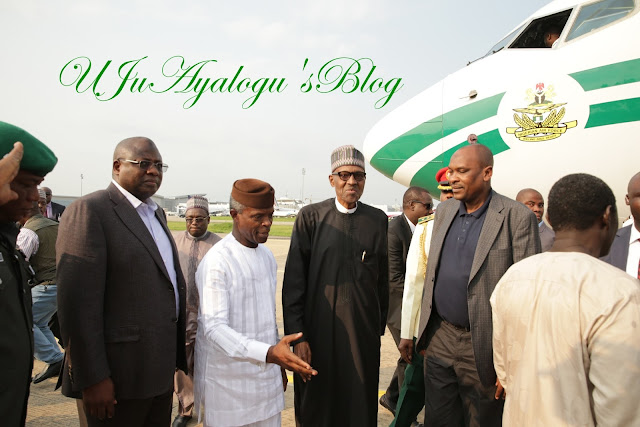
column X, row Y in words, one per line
column 482, row 234
column 533, row 200
column 121, row 296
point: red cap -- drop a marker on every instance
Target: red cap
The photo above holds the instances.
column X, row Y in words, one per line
column 441, row 175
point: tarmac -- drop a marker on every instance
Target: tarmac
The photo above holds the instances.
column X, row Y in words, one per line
column 48, row 407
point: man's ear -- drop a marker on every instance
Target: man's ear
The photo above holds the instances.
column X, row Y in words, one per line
column 606, row 217
column 116, row 167
column 331, row 180
column 547, row 217
column 626, row 199
column 487, row 173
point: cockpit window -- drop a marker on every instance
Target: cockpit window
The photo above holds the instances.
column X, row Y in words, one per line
column 502, row 43
column 542, row 32
column 599, row 14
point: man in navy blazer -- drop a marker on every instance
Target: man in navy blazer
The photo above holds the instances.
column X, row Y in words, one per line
column 625, row 250
column 121, row 296
column 483, row 234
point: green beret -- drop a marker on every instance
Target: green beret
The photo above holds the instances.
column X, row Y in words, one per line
column 38, row 158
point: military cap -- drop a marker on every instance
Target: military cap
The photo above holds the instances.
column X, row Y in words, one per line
column 37, row 158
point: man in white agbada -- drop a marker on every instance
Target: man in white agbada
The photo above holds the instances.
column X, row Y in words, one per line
column 566, row 335
column 237, row 381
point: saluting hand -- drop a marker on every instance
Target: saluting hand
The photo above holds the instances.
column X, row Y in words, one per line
column 9, row 167
column 282, row 355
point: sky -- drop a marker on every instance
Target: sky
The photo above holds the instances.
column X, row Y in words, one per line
column 211, row 141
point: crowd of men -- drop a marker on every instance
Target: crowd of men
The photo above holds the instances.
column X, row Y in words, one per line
column 498, row 317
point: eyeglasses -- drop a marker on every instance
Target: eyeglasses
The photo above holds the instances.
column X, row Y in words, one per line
column 426, row 205
column 197, row 219
column 146, row 164
column 358, row 176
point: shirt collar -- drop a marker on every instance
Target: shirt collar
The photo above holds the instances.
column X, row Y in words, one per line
column 412, row 226
column 135, row 202
column 462, row 210
column 343, row 209
column 190, row 237
column 635, row 234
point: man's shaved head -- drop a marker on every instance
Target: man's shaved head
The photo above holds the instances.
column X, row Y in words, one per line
column 522, row 194
column 128, row 147
column 533, row 200
column 481, row 152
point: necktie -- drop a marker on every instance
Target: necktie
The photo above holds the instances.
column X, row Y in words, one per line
column 192, row 291
column 639, row 268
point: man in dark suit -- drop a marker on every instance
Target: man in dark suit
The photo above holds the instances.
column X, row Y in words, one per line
column 416, row 203
column 533, row 200
column 483, row 234
column 121, row 296
column 54, row 210
column 625, row 250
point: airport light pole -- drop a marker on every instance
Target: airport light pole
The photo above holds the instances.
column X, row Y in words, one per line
column 302, row 191
column 81, row 178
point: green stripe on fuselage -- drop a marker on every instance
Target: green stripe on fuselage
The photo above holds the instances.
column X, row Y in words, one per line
column 390, row 157
column 426, row 177
column 616, row 74
column 609, row 113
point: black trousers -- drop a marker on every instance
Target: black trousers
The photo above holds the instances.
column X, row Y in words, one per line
column 151, row 412
column 454, row 395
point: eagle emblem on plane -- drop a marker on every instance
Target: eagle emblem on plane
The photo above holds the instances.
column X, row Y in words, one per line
column 541, row 119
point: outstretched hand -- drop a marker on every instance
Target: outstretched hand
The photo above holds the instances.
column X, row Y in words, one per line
column 281, row 354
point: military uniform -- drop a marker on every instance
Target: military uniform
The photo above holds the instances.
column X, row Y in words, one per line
column 16, row 339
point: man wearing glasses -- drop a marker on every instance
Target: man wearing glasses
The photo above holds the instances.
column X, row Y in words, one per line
column 192, row 244
column 121, row 296
column 335, row 292
column 416, row 203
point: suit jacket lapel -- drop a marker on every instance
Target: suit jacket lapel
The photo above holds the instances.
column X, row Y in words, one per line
column 490, row 229
column 443, row 227
column 133, row 222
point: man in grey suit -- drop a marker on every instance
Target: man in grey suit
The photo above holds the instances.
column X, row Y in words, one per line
column 533, row 200
column 416, row 203
column 121, row 295
column 483, row 234
column 625, row 250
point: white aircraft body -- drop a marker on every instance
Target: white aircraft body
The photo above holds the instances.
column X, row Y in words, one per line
column 544, row 112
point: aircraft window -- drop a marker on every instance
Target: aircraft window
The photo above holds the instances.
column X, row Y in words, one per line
column 502, row 43
column 542, row 32
column 598, row 15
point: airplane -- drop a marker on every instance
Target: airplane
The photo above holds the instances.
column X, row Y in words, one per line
column 544, row 111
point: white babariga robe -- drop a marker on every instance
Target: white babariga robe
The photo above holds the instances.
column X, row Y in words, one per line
column 566, row 342
column 233, row 385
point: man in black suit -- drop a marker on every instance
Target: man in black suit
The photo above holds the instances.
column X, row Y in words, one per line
column 416, row 203
column 625, row 250
column 533, row 200
column 54, row 210
column 121, row 296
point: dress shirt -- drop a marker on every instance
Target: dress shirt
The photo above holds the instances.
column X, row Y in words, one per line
column 147, row 212
column 566, row 345
column 50, row 210
column 458, row 250
column 634, row 252
column 28, row 242
column 412, row 226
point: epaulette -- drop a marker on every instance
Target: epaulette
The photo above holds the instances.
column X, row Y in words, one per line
column 425, row 219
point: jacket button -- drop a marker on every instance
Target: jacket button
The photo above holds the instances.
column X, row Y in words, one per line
column 174, row 319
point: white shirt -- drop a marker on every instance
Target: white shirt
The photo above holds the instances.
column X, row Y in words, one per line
column 414, row 280
column 412, row 226
column 634, row 252
column 343, row 209
column 147, row 212
column 566, row 342
column 28, row 242
column 236, row 327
